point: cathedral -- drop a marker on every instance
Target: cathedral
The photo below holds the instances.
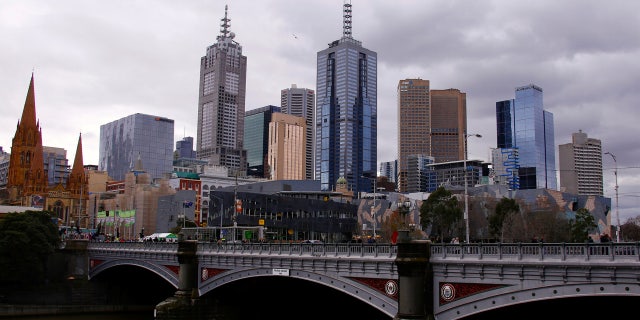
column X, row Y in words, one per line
column 27, row 182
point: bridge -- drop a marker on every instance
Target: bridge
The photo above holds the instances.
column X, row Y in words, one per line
column 413, row 280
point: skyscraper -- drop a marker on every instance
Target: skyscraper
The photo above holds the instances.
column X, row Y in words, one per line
column 431, row 123
column 221, row 102
column 346, row 126
column 287, row 143
column 581, row 165
column 256, row 139
column 414, row 127
column 184, row 148
column 448, row 124
column 524, row 125
column 301, row 102
column 143, row 136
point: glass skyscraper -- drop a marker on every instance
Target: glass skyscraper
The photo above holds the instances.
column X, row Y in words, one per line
column 346, row 113
column 221, row 102
column 256, row 139
column 139, row 135
column 523, row 124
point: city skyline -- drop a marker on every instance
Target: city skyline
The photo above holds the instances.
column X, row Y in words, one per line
column 98, row 62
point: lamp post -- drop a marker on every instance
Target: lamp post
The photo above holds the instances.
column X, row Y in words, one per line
column 221, row 205
column 466, row 191
column 403, row 209
column 615, row 172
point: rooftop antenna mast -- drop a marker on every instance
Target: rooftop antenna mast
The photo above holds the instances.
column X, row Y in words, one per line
column 346, row 23
column 224, row 26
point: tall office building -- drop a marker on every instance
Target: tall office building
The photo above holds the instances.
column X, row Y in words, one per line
column 414, row 127
column 184, row 148
column 287, row 143
column 431, row 123
column 56, row 165
column 389, row 169
column 256, row 139
column 448, row 124
column 523, row 124
column 221, row 102
column 346, row 128
column 143, row 136
column 581, row 165
column 301, row 102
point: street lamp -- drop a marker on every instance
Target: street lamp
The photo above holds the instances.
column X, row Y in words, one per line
column 615, row 172
column 403, row 209
column 221, row 205
column 466, row 191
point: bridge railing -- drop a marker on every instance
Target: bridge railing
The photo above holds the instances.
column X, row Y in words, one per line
column 254, row 248
column 303, row 249
column 611, row 251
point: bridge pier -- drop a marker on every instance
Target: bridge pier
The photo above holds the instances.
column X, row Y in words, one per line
column 184, row 303
column 415, row 280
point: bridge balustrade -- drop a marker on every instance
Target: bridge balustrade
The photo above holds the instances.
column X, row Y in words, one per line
column 538, row 251
column 302, row 249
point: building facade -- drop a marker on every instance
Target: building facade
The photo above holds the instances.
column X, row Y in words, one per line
column 56, row 164
column 184, row 148
column 287, row 147
column 221, row 102
column 301, row 102
column 346, row 126
column 523, row 123
column 256, row 139
column 143, row 136
column 448, row 124
column 431, row 123
column 389, row 169
column 581, row 165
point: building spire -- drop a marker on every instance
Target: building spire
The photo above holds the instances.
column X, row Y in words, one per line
column 28, row 119
column 224, row 26
column 78, row 165
column 346, row 24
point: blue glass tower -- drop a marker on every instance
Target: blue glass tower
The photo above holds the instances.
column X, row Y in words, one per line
column 524, row 125
column 346, row 113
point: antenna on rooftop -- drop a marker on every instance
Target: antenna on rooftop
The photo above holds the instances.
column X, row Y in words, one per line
column 346, row 24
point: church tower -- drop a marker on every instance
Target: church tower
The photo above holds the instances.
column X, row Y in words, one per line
column 77, row 186
column 27, row 180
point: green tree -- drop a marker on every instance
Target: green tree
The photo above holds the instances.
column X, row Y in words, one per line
column 26, row 242
column 582, row 225
column 505, row 209
column 442, row 213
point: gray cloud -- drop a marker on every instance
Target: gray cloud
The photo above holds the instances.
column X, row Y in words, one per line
column 98, row 61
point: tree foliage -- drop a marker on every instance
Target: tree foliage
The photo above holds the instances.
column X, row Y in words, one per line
column 442, row 213
column 630, row 230
column 26, row 242
column 582, row 225
column 503, row 216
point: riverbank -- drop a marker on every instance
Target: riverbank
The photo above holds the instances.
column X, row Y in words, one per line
column 16, row 310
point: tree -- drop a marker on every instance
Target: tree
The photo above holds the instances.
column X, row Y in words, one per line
column 505, row 209
column 582, row 225
column 26, row 241
column 442, row 213
column 630, row 230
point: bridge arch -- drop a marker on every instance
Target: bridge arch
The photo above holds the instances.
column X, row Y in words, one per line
column 350, row 287
column 164, row 273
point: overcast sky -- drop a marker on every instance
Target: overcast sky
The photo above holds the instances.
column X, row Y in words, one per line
column 99, row 61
